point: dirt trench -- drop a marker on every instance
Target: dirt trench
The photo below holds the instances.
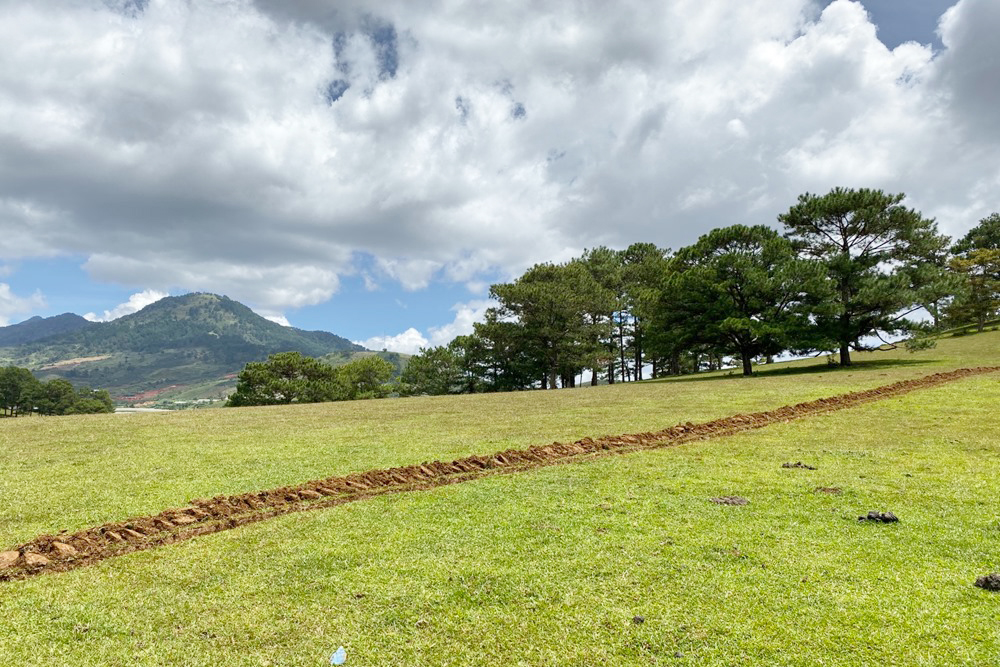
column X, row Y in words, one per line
column 58, row 553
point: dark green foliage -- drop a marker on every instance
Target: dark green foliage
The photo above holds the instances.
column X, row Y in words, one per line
column 18, row 390
column 742, row 290
column 871, row 247
column 367, row 377
column 553, row 308
column 984, row 236
column 979, row 299
column 22, row 393
column 287, row 377
column 40, row 328
column 290, row 377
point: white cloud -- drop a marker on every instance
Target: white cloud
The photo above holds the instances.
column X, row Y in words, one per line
column 276, row 318
column 135, row 303
column 199, row 145
column 411, row 340
column 466, row 314
column 11, row 304
column 408, row 342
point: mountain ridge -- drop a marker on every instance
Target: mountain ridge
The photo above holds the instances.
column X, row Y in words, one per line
column 178, row 342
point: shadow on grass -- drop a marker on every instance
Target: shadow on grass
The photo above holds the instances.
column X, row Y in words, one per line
column 780, row 370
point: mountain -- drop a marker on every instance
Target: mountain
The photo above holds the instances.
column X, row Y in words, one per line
column 40, row 328
column 190, row 346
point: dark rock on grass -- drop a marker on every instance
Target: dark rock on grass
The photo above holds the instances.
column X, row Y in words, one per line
column 798, row 464
column 989, row 582
column 879, row 517
column 638, row 620
column 730, row 500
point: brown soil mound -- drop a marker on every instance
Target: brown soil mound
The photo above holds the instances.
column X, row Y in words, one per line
column 730, row 500
column 55, row 553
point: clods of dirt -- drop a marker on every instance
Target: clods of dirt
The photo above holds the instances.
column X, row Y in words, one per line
column 638, row 620
column 835, row 490
column 879, row 517
column 989, row 582
column 730, row 500
column 798, row 464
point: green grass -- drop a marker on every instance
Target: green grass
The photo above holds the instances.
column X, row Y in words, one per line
column 542, row 568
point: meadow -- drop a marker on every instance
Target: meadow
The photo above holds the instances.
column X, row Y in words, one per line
column 619, row 561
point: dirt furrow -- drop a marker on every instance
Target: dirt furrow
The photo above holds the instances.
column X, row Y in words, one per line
column 57, row 553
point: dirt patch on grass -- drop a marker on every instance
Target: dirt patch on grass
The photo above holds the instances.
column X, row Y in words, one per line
column 730, row 500
column 73, row 363
column 56, row 553
column 798, row 464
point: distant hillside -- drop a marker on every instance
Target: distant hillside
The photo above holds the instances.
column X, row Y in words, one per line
column 192, row 344
column 40, row 328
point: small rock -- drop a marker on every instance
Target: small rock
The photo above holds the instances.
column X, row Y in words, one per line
column 730, row 500
column 879, row 517
column 638, row 620
column 989, row 582
column 9, row 559
column 134, row 534
column 63, row 549
column 35, row 560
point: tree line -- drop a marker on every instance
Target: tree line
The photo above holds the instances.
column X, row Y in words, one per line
column 22, row 393
column 851, row 265
column 290, row 377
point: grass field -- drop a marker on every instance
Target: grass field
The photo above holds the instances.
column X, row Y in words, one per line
column 549, row 567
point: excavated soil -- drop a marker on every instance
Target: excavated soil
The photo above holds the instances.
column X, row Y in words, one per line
column 57, row 553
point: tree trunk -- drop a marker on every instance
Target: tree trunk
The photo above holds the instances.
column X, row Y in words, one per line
column 747, row 364
column 845, row 354
column 611, row 371
column 621, row 344
column 637, row 341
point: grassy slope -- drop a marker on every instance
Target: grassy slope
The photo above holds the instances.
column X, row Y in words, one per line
column 541, row 568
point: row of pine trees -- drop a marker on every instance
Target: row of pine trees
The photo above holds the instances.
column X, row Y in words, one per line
column 852, row 266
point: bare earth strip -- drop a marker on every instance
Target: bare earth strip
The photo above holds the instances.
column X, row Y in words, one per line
column 58, row 553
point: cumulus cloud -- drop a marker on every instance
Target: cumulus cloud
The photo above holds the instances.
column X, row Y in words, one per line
column 266, row 149
column 411, row 340
column 408, row 342
column 135, row 303
column 11, row 304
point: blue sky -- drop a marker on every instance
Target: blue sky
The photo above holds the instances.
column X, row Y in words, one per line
column 370, row 168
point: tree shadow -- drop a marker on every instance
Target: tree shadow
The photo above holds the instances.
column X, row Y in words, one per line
column 780, row 370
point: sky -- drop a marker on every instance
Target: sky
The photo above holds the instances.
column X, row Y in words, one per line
column 370, row 168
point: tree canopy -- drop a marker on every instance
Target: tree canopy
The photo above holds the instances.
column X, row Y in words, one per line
column 22, row 393
column 870, row 245
column 290, row 377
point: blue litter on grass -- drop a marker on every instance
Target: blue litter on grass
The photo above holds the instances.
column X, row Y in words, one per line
column 339, row 657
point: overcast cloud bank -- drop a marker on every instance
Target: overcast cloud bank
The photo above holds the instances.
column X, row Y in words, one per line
column 264, row 149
